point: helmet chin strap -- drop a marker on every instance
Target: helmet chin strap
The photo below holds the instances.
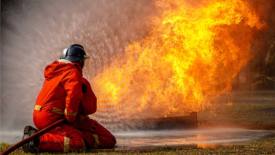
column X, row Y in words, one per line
column 81, row 63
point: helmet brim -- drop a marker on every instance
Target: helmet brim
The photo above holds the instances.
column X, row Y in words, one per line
column 86, row 57
column 74, row 59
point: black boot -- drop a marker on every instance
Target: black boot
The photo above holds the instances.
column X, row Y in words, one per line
column 31, row 146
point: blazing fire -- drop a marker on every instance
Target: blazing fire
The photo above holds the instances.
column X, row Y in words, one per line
column 191, row 55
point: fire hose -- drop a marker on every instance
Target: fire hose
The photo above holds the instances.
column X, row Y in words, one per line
column 36, row 134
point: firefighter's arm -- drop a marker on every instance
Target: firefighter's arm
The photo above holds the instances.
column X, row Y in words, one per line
column 89, row 102
column 73, row 87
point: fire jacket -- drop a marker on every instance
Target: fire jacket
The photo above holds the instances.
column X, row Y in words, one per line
column 89, row 101
column 62, row 94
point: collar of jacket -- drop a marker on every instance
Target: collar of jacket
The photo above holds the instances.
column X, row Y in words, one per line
column 64, row 61
column 67, row 61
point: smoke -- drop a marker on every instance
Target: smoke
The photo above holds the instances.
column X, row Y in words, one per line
column 260, row 72
column 35, row 32
column 1, row 109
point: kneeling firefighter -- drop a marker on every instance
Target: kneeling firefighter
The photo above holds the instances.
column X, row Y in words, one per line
column 67, row 94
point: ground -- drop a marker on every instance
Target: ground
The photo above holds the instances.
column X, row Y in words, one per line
column 247, row 110
column 253, row 110
column 265, row 145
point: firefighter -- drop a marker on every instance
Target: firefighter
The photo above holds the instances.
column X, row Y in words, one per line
column 67, row 94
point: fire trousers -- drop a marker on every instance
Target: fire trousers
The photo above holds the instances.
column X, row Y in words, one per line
column 85, row 134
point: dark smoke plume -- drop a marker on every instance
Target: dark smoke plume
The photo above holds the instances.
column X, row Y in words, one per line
column 260, row 72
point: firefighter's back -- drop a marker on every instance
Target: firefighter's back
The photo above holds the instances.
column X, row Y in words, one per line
column 50, row 103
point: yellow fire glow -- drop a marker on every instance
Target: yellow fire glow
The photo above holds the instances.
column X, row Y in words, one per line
column 192, row 54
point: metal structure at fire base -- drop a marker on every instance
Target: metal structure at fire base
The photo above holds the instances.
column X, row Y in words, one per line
column 178, row 122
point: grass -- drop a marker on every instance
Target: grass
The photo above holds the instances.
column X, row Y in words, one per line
column 266, row 145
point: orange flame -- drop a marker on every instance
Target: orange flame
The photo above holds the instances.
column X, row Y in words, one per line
column 192, row 54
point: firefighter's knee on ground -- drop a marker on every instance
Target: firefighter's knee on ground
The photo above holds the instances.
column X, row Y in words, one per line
column 113, row 141
column 75, row 145
column 108, row 142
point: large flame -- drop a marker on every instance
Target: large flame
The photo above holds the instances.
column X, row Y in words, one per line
column 191, row 55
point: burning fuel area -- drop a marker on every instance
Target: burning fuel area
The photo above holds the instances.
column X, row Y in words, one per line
column 193, row 58
column 165, row 72
column 183, row 73
column 193, row 53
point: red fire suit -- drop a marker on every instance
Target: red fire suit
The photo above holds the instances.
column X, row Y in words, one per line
column 65, row 93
